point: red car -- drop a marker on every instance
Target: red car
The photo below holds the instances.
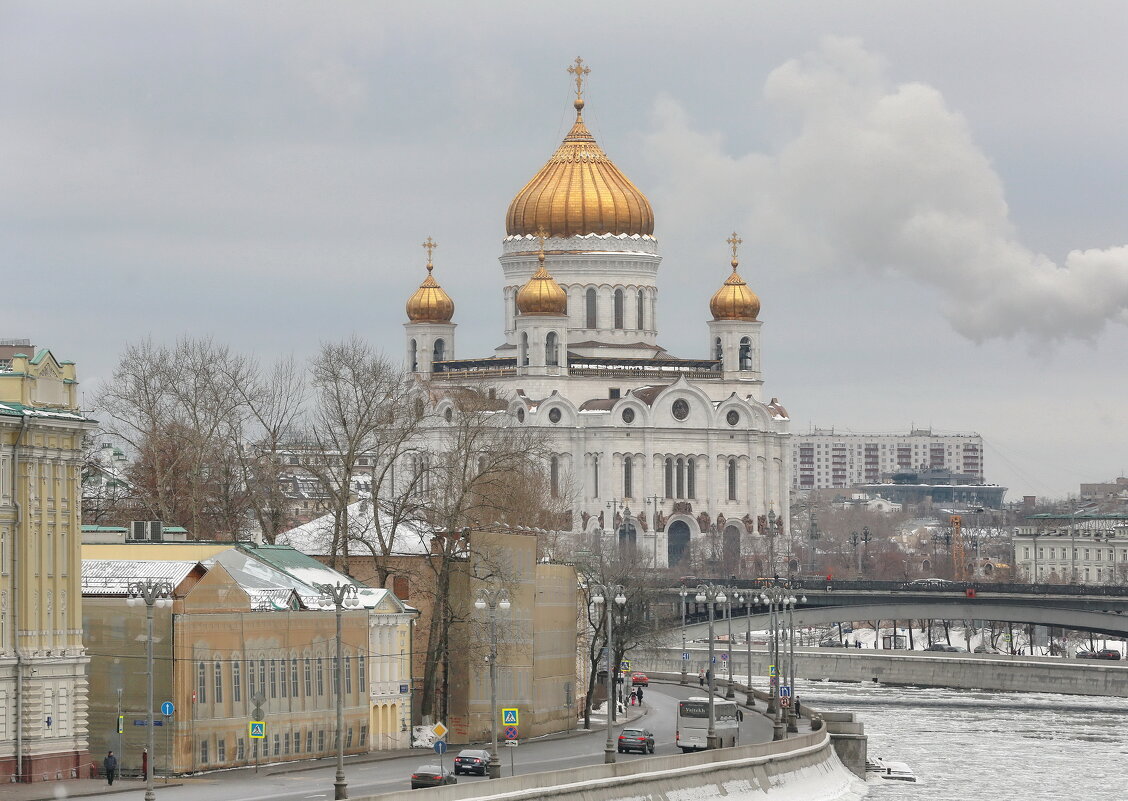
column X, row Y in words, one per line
column 638, row 679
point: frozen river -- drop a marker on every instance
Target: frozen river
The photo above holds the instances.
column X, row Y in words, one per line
column 968, row 745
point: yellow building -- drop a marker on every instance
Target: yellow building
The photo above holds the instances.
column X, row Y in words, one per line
column 247, row 624
column 43, row 693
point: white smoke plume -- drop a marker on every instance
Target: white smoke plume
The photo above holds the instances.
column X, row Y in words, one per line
column 886, row 179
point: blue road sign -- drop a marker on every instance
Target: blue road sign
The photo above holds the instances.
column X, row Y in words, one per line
column 440, row 746
column 713, row 659
column 784, row 691
column 509, row 717
column 256, row 729
column 685, row 656
column 167, row 708
column 146, row 723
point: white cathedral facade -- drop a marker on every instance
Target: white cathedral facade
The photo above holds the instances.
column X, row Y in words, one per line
column 682, row 458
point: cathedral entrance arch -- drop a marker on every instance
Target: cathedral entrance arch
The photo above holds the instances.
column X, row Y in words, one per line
column 677, row 543
column 628, row 536
column 730, row 550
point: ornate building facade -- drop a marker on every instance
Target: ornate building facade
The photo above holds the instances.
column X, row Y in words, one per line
column 682, row 458
column 43, row 691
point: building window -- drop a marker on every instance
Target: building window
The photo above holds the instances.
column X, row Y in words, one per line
column 691, row 478
column 320, row 677
column 298, row 741
column 551, row 349
column 628, row 469
column 669, row 478
column 221, row 750
column 250, row 678
column 348, row 738
column 202, row 683
column 262, row 677
column 219, row 683
column 595, row 476
column 277, row 744
column 321, row 740
column 524, row 354
column 363, row 736
column 240, row 749
column 440, row 351
column 336, row 678
column 204, row 751
column 679, row 476
column 286, row 742
column 236, row 681
column 273, row 678
column 294, row 677
column 348, row 676
column 308, row 678
column 554, row 476
column 732, row 479
column 618, row 308
column 590, row 309
column 309, row 741
column 718, row 350
column 641, row 304
column 414, row 369
column 360, row 671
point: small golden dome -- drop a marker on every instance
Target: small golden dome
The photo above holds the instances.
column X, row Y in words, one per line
column 430, row 303
column 579, row 191
column 541, row 294
column 734, row 300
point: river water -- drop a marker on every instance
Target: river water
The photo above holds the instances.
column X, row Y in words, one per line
column 971, row 745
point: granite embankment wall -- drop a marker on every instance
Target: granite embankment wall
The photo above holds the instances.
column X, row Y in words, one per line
column 967, row 671
column 804, row 767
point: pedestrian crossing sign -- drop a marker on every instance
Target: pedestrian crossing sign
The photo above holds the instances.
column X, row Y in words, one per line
column 509, row 717
column 772, row 670
column 257, row 729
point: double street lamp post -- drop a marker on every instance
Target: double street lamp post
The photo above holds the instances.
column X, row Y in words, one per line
column 683, row 592
column 731, row 691
column 603, row 594
column 779, row 599
column 341, row 595
column 151, row 593
column 493, row 600
column 711, row 594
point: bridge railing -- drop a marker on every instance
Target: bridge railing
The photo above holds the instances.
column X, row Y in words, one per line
column 959, row 587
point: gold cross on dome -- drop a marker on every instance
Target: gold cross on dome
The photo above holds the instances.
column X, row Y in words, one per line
column 735, row 241
column 541, row 235
column 429, row 246
column 579, row 70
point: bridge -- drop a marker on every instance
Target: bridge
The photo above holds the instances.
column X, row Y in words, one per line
column 1097, row 609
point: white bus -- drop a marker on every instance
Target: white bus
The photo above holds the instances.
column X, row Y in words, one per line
column 693, row 723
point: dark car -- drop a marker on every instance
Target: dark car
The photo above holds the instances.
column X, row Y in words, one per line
column 638, row 679
column 832, row 644
column 943, row 646
column 1106, row 653
column 431, row 776
column 640, row 740
column 470, row 760
column 1086, row 654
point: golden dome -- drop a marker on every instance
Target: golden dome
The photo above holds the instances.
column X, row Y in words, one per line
column 430, row 303
column 541, row 294
column 734, row 300
column 579, row 191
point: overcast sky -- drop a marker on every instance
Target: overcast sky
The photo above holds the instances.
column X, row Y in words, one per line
column 932, row 196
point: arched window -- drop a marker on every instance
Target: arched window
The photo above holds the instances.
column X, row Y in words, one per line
column 718, row 351
column 732, row 479
column 691, row 478
column 551, row 356
column 590, row 308
column 639, row 307
column 679, row 475
column 669, row 478
column 414, row 356
column 554, row 476
column 524, row 354
column 619, row 308
column 745, row 353
column 595, row 476
column 628, row 470
column 440, row 350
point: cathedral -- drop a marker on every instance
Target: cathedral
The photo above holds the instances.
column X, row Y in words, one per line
column 680, row 458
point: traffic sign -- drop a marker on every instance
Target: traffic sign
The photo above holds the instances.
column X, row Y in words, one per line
column 685, row 656
column 625, row 666
column 440, row 747
column 439, row 730
column 724, row 657
column 772, row 671
column 511, row 743
column 167, row 709
column 785, row 702
column 713, row 659
column 510, row 732
column 509, row 717
column 784, row 691
column 256, row 730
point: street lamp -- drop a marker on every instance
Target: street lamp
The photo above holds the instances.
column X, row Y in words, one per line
column 753, row 601
column 151, row 593
column 778, row 598
column 864, row 538
column 771, row 542
column 683, row 592
column 656, row 502
column 340, row 595
column 711, row 594
column 731, row 692
column 493, row 600
column 602, row 594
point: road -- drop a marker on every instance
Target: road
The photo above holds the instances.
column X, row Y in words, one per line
column 298, row 782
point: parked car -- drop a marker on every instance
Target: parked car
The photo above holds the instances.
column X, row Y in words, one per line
column 1086, row 654
column 431, row 776
column 471, row 760
column 931, row 582
column 943, row 646
column 985, row 649
column 640, row 740
column 1107, row 653
column 640, row 679
column 832, row 643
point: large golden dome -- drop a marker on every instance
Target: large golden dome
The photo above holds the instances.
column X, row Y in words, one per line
column 541, row 294
column 734, row 300
column 579, row 191
column 430, row 303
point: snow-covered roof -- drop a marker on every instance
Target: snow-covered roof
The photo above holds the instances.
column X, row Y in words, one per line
column 316, row 536
column 112, row 577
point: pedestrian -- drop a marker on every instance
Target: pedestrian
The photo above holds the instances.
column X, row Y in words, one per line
column 701, row 677
column 709, row 677
column 634, row 697
column 639, row 692
column 109, row 764
column 798, row 711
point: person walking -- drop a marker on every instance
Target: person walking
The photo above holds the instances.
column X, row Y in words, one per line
column 109, row 764
column 701, row 677
column 639, row 693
